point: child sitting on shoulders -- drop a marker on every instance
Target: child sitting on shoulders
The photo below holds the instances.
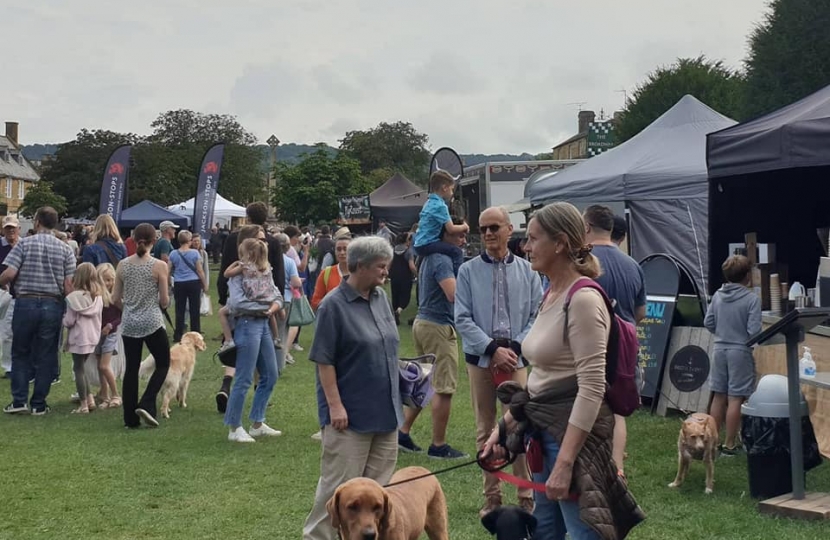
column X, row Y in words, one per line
column 733, row 316
column 435, row 218
column 83, row 320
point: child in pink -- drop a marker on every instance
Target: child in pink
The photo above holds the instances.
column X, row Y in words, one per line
column 83, row 321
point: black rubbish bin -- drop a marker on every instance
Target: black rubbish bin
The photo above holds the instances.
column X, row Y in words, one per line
column 765, row 430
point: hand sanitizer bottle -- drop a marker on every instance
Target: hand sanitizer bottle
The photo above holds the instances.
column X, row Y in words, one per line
column 808, row 366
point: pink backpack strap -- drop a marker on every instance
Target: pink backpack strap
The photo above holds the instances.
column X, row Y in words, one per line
column 585, row 283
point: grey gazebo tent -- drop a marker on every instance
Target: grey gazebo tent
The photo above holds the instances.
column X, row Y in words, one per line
column 660, row 176
column 397, row 202
column 769, row 176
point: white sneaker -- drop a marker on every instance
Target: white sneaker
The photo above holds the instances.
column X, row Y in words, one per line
column 317, row 436
column 240, row 435
column 264, row 430
column 297, row 347
column 289, row 359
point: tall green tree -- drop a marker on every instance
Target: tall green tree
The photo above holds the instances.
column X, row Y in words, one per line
column 77, row 169
column 398, row 147
column 711, row 82
column 789, row 55
column 39, row 195
column 308, row 192
column 186, row 135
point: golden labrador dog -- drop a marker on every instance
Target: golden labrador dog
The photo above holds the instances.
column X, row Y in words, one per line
column 698, row 440
column 363, row 510
column 182, row 363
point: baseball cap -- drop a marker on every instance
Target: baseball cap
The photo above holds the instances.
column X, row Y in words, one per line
column 10, row 221
column 167, row 225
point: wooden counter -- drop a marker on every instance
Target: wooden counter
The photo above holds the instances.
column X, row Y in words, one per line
column 773, row 359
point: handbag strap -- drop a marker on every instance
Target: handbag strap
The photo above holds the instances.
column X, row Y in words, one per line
column 188, row 263
column 103, row 245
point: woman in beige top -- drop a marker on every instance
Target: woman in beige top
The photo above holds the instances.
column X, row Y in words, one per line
column 556, row 247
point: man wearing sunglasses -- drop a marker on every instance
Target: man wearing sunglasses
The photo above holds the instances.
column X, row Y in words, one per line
column 496, row 298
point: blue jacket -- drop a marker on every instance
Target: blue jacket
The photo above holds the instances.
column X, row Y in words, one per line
column 97, row 255
column 474, row 305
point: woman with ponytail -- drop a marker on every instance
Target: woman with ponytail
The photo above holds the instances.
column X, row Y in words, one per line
column 141, row 293
column 568, row 420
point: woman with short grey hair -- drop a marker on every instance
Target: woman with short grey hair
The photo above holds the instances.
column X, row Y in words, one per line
column 293, row 286
column 367, row 250
column 359, row 406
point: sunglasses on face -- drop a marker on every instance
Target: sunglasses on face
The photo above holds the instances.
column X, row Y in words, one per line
column 492, row 228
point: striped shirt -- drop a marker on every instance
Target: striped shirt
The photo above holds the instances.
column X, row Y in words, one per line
column 43, row 263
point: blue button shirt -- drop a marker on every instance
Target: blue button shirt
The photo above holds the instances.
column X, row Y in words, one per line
column 360, row 339
column 434, row 215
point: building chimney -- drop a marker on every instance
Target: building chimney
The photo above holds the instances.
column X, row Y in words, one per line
column 11, row 132
column 585, row 118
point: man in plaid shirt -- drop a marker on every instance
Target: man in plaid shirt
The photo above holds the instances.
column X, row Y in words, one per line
column 40, row 269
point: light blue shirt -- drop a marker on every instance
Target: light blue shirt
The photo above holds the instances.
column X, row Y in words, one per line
column 290, row 270
column 181, row 270
column 434, row 215
column 474, row 300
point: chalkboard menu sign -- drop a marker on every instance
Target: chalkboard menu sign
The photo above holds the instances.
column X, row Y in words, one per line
column 354, row 209
column 654, row 333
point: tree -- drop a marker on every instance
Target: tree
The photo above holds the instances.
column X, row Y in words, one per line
column 309, row 191
column 187, row 135
column 711, row 82
column 789, row 55
column 77, row 169
column 396, row 147
column 39, row 195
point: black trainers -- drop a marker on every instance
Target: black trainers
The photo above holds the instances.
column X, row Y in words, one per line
column 221, row 401
column 445, row 451
column 406, row 443
column 11, row 408
column 41, row 411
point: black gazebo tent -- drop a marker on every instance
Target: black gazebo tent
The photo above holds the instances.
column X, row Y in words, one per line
column 769, row 176
column 397, row 202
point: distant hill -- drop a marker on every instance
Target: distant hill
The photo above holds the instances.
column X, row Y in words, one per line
column 35, row 152
column 292, row 153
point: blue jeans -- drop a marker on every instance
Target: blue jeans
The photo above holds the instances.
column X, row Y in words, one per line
column 36, row 329
column 555, row 518
column 254, row 349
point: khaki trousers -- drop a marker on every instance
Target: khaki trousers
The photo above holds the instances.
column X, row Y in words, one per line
column 484, row 406
column 348, row 455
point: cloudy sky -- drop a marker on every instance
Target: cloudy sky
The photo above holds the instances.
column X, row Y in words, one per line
column 481, row 76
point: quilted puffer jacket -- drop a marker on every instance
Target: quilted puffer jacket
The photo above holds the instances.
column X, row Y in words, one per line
column 605, row 503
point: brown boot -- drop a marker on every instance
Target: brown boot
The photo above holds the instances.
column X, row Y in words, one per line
column 527, row 504
column 491, row 503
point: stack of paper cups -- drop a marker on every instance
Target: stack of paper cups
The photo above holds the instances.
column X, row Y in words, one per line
column 775, row 293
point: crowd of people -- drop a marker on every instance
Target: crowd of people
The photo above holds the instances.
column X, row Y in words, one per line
column 506, row 306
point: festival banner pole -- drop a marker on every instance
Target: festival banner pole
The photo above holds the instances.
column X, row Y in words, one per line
column 114, row 184
column 205, row 200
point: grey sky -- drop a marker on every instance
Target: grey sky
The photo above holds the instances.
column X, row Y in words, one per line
column 485, row 76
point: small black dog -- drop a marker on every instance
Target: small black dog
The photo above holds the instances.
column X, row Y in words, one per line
column 510, row 523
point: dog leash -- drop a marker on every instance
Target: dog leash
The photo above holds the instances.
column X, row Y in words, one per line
column 492, row 466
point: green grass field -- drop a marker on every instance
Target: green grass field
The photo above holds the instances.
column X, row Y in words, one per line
column 86, row 477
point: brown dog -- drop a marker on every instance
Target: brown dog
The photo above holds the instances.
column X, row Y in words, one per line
column 698, row 440
column 363, row 510
column 182, row 363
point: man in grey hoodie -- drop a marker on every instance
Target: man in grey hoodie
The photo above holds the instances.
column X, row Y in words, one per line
column 733, row 316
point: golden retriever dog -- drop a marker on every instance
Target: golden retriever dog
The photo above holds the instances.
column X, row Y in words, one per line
column 698, row 440
column 182, row 363
column 363, row 510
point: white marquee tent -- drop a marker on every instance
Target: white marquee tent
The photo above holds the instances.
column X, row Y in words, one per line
column 222, row 212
